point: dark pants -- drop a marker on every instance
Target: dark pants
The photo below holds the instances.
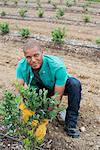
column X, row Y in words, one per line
column 73, row 90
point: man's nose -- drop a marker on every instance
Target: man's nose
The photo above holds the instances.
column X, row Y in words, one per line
column 33, row 59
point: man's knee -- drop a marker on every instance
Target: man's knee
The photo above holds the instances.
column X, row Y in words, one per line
column 75, row 83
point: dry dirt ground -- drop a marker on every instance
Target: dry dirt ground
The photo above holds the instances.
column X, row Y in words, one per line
column 87, row 70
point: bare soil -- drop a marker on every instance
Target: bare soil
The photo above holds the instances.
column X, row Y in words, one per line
column 87, row 71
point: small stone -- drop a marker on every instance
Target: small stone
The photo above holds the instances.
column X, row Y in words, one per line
column 8, row 145
column 82, row 129
column 56, row 128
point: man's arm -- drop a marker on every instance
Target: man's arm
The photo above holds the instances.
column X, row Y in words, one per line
column 59, row 90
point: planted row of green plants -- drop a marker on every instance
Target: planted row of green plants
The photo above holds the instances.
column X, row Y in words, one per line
column 40, row 13
column 68, row 3
column 22, row 12
column 58, row 34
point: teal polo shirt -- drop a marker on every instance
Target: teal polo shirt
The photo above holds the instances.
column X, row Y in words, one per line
column 53, row 72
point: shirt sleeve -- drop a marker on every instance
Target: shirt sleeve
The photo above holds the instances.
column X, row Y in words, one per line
column 19, row 74
column 61, row 76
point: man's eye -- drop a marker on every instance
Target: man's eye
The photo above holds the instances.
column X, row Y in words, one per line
column 36, row 55
column 28, row 57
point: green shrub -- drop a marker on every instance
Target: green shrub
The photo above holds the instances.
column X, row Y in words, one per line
column 40, row 12
column 26, row 1
column 24, row 32
column 98, row 40
column 86, row 18
column 85, row 7
column 60, row 12
column 54, row 5
column 4, row 27
column 49, row 1
column 5, row 2
column 3, row 13
column 70, row 3
column 22, row 12
column 23, row 115
column 38, row 4
column 94, row 0
column 16, row 2
column 58, row 35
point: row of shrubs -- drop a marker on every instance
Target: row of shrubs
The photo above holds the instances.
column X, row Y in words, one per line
column 58, row 34
column 68, row 3
column 59, row 13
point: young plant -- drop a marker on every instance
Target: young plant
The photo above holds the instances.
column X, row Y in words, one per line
column 85, row 7
column 38, row 4
column 16, row 2
column 3, row 13
column 98, row 40
column 49, row 1
column 69, row 3
column 24, row 32
column 4, row 27
column 5, row 2
column 26, row 1
column 58, row 35
column 60, row 12
column 22, row 12
column 40, row 12
column 54, row 5
column 86, row 18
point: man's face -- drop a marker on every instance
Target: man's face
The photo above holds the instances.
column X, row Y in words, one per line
column 34, row 57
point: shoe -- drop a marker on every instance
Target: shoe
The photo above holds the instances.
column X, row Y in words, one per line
column 62, row 115
column 73, row 132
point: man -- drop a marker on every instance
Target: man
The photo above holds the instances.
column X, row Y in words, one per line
column 46, row 71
